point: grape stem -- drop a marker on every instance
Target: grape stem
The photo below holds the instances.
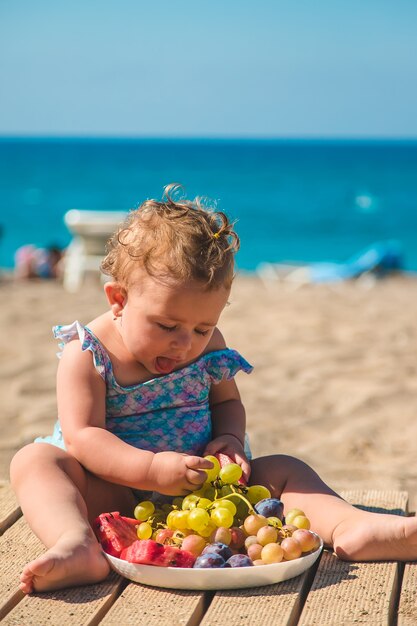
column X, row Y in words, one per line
column 239, row 495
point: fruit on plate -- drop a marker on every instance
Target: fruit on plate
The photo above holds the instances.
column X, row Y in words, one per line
column 226, row 473
column 115, row 532
column 239, row 560
column 224, row 523
column 218, row 548
column 149, row 552
column 209, row 560
column 270, row 507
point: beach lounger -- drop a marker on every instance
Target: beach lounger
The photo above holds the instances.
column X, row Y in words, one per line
column 91, row 231
column 379, row 259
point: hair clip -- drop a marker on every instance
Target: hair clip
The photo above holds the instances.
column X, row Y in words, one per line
column 216, row 235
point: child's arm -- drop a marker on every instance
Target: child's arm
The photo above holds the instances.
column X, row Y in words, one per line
column 228, row 417
column 228, row 423
column 81, row 409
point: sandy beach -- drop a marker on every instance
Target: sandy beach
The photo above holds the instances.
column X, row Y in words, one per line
column 335, row 378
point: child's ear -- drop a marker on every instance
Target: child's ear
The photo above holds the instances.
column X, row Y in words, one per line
column 116, row 296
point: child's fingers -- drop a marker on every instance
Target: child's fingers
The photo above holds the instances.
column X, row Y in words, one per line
column 198, row 463
column 196, row 478
column 195, row 473
column 244, row 464
column 246, row 468
column 214, row 446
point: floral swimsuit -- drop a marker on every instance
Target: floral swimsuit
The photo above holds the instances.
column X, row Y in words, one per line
column 169, row 412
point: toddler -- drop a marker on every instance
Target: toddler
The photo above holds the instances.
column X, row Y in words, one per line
column 147, row 389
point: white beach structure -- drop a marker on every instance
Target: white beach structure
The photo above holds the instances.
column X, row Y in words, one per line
column 91, row 231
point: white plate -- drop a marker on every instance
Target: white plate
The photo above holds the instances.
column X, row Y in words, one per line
column 216, row 578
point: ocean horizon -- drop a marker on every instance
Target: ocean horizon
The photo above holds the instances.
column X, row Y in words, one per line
column 294, row 200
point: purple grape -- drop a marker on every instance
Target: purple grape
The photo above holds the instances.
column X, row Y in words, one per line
column 218, row 548
column 239, row 560
column 270, row 507
column 210, row 559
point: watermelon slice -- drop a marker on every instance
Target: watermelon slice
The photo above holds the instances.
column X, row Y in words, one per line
column 176, row 557
column 224, row 459
column 115, row 532
column 149, row 552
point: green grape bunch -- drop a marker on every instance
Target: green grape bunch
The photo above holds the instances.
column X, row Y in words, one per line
column 225, row 510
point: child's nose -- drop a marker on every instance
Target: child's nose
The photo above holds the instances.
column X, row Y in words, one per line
column 183, row 340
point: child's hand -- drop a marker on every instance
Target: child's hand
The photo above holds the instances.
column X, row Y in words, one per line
column 230, row 445
column 175, row 474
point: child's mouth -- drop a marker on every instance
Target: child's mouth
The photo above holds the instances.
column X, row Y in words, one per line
column 165, row 365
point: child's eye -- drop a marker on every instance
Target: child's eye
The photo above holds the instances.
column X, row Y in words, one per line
column 201, row 332
column 169, row 329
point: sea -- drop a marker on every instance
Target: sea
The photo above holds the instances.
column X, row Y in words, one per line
column 297, row 201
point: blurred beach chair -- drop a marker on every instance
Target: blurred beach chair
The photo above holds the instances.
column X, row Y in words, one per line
column 91, row 231
column 376, row 261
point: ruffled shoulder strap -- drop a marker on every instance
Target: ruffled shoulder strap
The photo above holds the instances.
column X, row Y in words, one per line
column 66, row 333
column 224, row 364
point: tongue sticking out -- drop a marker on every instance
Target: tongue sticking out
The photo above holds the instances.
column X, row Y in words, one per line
column 164, row 365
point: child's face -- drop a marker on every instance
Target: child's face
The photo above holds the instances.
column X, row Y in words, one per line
column 165, row 327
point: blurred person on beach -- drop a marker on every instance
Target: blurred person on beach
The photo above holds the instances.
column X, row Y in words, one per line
column 147, row 389
column 33, row 262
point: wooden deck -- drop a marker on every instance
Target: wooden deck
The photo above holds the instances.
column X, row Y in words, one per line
column 332, row 592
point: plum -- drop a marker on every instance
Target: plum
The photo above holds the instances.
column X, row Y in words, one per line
column 239, row 560
column 270, row 507
column 210, row 559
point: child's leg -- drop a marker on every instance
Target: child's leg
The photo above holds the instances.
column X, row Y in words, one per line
column 354, row 534
column 58, row 498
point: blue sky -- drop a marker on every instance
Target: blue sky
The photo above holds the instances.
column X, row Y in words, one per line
column 261, row 68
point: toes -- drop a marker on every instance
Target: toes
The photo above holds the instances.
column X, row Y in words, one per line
column 26, row 581
column 42, row 566
column 26, row 576
column 26, row 586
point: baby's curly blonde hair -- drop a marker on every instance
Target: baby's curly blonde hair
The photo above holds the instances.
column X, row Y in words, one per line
column 178, row 240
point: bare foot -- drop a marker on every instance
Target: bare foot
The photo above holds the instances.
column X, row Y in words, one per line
column 66, row 564
column 376, row 537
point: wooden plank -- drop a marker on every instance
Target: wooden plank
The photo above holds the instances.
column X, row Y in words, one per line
column 9, row 509
column 393, row 502
column 273, row 605
column 345, row 593
column 407, row 609
column 139, row 605
column 281, row 604
column 18, row 545
column 81, row 605
column 350, row 593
